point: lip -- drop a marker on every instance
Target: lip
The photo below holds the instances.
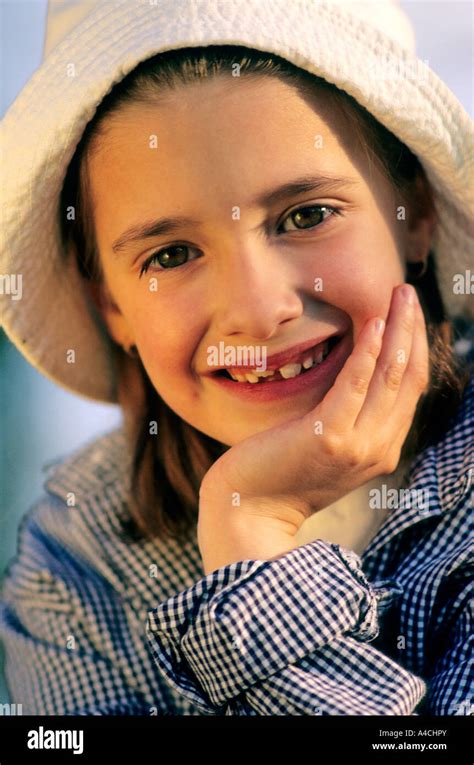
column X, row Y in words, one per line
column 280, row 389
column 278, row 360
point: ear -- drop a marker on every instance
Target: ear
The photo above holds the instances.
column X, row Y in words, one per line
column 110, row 313
column 421, row 220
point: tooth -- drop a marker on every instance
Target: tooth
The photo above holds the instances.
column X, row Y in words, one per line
column 290, row 370
column 287, row 371
column 262, row 373
column 251, row 378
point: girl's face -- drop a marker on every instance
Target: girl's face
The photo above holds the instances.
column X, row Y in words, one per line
column 245, row 271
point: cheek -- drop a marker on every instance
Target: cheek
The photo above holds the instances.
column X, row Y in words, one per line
column 167, row 336
column 364, row 268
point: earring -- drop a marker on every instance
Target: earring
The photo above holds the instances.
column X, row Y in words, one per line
column 417, row 270
column 131, row 351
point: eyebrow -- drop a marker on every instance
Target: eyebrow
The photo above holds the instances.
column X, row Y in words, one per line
column 165, row 226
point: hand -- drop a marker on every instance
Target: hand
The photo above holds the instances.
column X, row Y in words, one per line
column 255, row 497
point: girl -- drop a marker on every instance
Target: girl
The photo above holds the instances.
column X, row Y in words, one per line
column 285, row 537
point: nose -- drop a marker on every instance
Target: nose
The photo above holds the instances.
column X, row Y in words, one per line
column 254, row 294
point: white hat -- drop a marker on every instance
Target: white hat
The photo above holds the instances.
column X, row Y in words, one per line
column 365, row 48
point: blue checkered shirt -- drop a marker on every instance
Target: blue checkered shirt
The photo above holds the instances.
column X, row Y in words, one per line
column 94, row 625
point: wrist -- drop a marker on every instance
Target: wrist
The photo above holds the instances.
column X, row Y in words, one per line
column 229, row 540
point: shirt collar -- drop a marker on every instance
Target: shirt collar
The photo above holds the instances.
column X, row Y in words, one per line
column 97, row 469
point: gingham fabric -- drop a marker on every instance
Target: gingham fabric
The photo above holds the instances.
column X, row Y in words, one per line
column 93, row 625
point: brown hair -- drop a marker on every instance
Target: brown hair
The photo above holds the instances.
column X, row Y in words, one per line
column 168, row 470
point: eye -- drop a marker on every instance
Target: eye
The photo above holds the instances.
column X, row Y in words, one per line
column 175, row 255
column 167, row 258
column 309, row 217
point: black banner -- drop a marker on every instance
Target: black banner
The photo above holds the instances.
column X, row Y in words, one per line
column 25, row 739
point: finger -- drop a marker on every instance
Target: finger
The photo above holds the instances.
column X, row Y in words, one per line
column 392, row 362
column 342, row 404
column 418, row 372
column 415, row 380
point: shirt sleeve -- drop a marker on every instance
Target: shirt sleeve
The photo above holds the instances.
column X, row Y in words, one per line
column 289, row 636
column 67, row 644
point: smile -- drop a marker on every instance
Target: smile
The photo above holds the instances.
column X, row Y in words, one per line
column 301, row 364
column 309, row 371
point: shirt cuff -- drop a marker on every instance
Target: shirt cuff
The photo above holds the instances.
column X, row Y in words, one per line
column 247, row 620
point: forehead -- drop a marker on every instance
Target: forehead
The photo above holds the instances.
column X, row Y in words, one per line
column 218, row 124
column 205, row 148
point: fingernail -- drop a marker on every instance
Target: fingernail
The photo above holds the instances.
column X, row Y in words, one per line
column 408, row 293
column 379, row 325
